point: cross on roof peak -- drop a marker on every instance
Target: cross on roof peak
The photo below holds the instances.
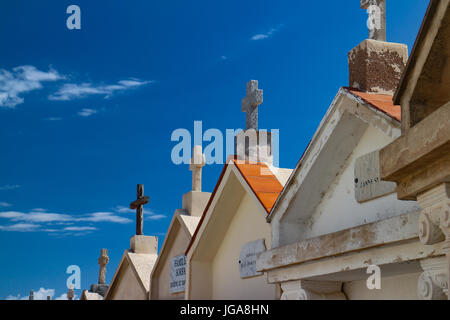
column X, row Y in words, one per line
column 250, row 104
column 376, row 22
column 197, row 163
column 138, row 204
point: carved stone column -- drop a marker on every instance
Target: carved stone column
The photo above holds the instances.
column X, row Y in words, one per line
column 312, row 290
column 433, row 282
column 434, row 227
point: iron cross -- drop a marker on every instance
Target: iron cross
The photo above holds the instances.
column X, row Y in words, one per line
column 138, row 204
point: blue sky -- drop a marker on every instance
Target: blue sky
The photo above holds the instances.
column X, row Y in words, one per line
column 87, row 114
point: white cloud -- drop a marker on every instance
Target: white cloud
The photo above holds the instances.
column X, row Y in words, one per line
column 156, row 217
column 41, row 220
column 5, row 204
column 20, row 227
column 80, row 228
column 9, row 187
column 87, row 112
column 224, row 57
column 53, row 119
column 71, row 91
column 21, row 80
column 266, row 35
column 40, row 294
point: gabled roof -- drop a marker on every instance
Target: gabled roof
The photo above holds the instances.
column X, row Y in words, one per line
column 265, row 182
column 382, row 102
column 141, row 265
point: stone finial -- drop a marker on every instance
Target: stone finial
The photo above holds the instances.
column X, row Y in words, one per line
column 103, row 261
column 49, row 298
column 377, row 18
column 197, row 163
column 70, row 293
column 250, row 104
column 31, row 296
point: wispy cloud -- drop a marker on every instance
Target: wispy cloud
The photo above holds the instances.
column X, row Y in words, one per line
column 20, row 227
column 41, row 220
column 72, row 91
column 9, row 187
column 223, row 57
column 150, row 215
column 40, row 294
column 266, row 35
column 21, row 80
column 5, row 204
column 53, row 119
column 86, row 112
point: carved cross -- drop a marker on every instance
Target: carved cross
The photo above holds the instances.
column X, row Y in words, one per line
column 197, row 163
column 377, row 18
column 103, row 261
column 138, row 204
column 250, row 104
column 31, row 296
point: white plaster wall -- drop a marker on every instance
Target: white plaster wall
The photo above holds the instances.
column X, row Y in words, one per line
column 128, row 288
column 403, row 287
column 339, row 209
column 161, row 281
column 248, row 225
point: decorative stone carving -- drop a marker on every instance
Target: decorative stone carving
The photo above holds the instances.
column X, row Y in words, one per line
column 434, row 221
column 312, row 290
column 433, row 283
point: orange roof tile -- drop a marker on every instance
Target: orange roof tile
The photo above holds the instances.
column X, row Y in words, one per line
column 262, row 181
column 382, row 102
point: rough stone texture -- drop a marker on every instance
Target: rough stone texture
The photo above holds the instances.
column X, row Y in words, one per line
column 100, row 289
column 376, row 66
column 377, row 34
column 250, row 104
column 197, row 163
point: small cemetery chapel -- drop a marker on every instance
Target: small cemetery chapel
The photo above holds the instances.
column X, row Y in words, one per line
column 338, row 222
column 167, row 280
column 221, row 255
column 98, row 290
column 131, row 279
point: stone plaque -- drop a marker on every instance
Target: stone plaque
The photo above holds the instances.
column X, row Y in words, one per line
column 177, row 274
column 368, row 184
column 247, row 258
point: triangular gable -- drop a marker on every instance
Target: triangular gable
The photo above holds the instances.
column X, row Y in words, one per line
column 141, row 266
column 345, row 123
column 258, row 179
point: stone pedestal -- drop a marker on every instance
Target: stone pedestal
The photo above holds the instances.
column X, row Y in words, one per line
column 377, row 66
column 195, row 202
column 254, row 146
column 144, row 244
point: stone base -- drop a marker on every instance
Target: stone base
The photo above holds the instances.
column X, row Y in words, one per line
column 101, row 289
column 377, row 66
column 254, row 146
column 144, row 244
column 195, row 202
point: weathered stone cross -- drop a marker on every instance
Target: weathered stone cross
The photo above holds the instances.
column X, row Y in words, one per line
column 138, row 204
column 377, row 18
column 250, row 104
column 103, row 261
column 197, row 163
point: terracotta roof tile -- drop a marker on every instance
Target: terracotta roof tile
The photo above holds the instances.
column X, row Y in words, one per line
column 382, row 102
column 262, row 181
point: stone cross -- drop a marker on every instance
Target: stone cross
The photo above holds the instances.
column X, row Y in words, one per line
column 103, row 261
column 31, row 297
column 70, row 293
column 197, row 163
column 250, row 104
column 138, row 204
column 377, row 18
